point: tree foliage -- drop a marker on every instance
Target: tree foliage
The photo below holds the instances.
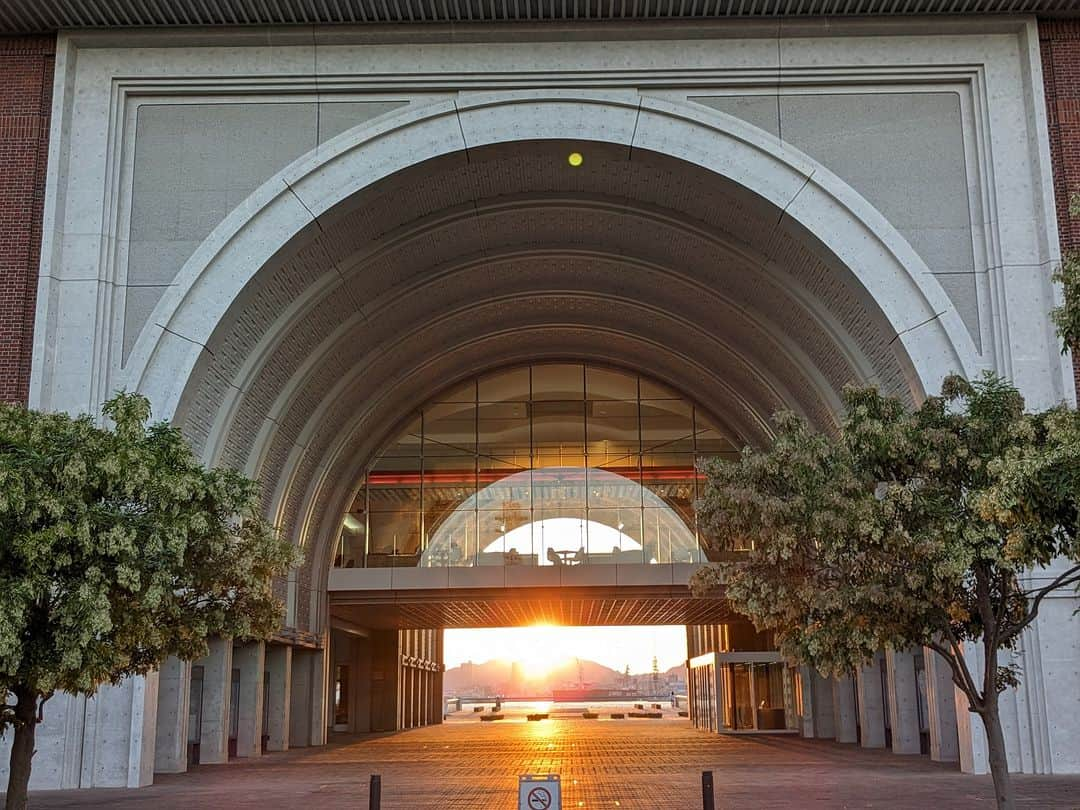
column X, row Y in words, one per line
column 909, row 527
column 117, row 549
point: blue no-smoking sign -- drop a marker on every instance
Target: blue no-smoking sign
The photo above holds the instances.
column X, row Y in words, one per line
column 539, row 792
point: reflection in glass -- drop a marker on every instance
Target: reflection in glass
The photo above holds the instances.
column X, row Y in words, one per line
column 550, row 464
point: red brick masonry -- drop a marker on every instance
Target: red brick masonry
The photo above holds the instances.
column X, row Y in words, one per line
column 1060, row 44
column 26, row 77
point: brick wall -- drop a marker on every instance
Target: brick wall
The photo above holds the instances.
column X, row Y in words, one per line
column 26, row 75
column 1060, row 44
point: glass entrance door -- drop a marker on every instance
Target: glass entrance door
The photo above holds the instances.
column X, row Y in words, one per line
column 742, row 696
column 754, row 697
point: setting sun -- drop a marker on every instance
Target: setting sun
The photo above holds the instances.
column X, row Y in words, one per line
column 541, row 649
column 536, row 649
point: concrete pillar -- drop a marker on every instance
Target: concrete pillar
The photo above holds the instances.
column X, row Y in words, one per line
column 250, row 659
column 174, row 694
column 307, row 710
column 941, row 708
column 845, row 714
column 278, row 664
column 823, row 708
column 105, row 741
column 871, row 706
column 903, row 701
column 974, row 753
column 217, row 682
column 806, row 678
column 300, row 699
column 320, row 709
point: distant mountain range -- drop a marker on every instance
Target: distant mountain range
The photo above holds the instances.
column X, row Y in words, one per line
column 501, row 677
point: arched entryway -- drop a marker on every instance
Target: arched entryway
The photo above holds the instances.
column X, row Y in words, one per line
column 412, row 253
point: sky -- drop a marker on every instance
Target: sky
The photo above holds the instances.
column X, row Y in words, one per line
column 543, row 647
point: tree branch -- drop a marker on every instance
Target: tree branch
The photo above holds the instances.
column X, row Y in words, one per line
column 962, row 676
column 1063, row 580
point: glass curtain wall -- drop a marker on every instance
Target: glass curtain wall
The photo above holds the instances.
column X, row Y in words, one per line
column 552, row 464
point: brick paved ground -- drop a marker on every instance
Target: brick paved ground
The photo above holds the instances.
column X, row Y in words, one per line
column 648, row 764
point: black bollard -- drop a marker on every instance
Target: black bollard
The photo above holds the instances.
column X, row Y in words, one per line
column 708, row 799
column 375, row 793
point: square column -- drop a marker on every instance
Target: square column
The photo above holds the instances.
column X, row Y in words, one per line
column 871, row 706
column 941, row 708
column 903, row 701
column 806, row 680
column 824, row 727
column 278, row 664
column 307, row 712
column 845, row 715
column 217, row 693
column 250, row 659
column 174, row 694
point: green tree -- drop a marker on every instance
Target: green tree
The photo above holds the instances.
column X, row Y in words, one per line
column 909, row 527
column 117, row 549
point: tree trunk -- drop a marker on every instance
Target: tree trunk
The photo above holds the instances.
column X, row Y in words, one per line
column 999, row 761
column 22, row 749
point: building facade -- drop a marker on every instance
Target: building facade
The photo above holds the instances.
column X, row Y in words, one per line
column 470, row 290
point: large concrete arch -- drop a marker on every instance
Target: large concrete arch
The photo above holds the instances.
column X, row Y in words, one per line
column 893, row 275
column 251, row 348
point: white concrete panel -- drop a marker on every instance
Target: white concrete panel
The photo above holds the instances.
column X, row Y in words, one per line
column 571, row 576
column 411, row 578
column 250, row 659
column 490, row 576
column 845, row 713
column 532, row 576
column 871, row 706
column 359, row 579
column 174, row 696
column 941, row 708
column 903, row 701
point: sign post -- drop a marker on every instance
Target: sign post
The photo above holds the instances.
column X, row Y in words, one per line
column 539, row 792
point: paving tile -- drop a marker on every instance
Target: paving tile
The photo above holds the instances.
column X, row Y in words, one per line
column 631, row 763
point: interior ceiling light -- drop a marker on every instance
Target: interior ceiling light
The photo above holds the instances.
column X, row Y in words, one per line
column 575, row 159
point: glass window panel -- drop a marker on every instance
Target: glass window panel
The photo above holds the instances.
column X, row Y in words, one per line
column 502, row 487
column 611, row 490
column 492, row 530
column 612, row 434
column 407, row 444
column 666, row 426
column 615, row 536
column 518, row 544
column 559, row 491
column 562, row 381
column 710, row 441
column 601, row 383
column 387, row 495
column 561, row 534
column 667, row 537
column 505, row 386
column 558, row 433
column 504, row 434
column 449, row 429
column 449, row 488
column 395, row 538
column 351, row 546
column 650, row 389
column 465, row 392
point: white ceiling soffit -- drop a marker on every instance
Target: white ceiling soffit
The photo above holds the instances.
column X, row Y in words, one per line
column 28, row 16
